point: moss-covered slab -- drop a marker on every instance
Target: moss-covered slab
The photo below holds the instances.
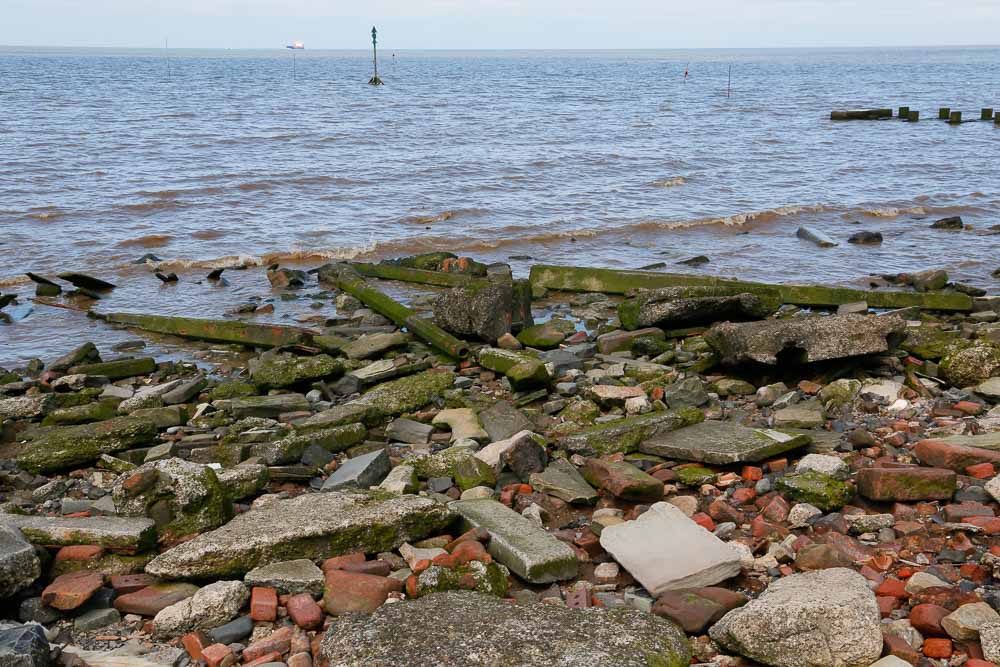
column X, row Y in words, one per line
column 517, row 542
column 722, row 443
column 266, row 406
column 626, row 435
column 407, row 394
column 968, row 366
column 286, row 371
column 677, row 307
column 68, row 446
column 822, row 491
column 218, row 331
column 118, row 369
column 931, row 343
column 129, row 534
column 289, row 449
column 313, row 526
column 521, row 369
column 476, row 630
column 82, row 414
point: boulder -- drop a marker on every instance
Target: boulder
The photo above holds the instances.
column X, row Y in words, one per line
column 19, row 564
column 120, row 533
column 25, row 646
column 284, row 371
column 971, row 365
column 183, row 498
column 827, row 618
column 484, row 310
column 680, row 307
column 476, row 630
column 313, row 526
column 665, row 550
column 626, row 435
column 804, row 339
column 722, row 443
column 210, row 607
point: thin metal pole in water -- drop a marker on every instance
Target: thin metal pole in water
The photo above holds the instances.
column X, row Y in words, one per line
column 375, row 80
column 166, row 53
column 729, row 86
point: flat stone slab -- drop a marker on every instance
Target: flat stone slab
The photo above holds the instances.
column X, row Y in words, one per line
column 721, row 443
column 982, row 441
column 290, row 576
column 665, row 550
column 502, row 420
column 313, row 526
column 477, row 630
column 360, row 472
column 19, row 564
column 113, row 532
column 562, row 480
column 519, row 543
column 463, row 422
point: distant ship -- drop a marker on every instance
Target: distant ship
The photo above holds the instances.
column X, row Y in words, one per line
column 296, row 45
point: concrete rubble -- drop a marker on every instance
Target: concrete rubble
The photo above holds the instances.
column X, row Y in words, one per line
column 666, row 470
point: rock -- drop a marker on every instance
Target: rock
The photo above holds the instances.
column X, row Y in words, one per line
column 360, row 472
column 932, row 343
column 502, row 420
column 150, row 600
column 525, row 457
column 487, row 578
column 268, row 406
column 953, row 223
column 688, row 393
column 617, row 341
column 665, row 550
column 989, row 637
column 24, row 646
column 522, row 370
column 922, row 580
column 817, row 489
column 471, row 472
column 626, row 435
column 406, row 394
column 805, row 339
column 69, row 591
column 971, row 365
column 409, row 431
column 19, row 564
column 473, row 629
column 355, row 592
column 463, row 422
column 121, row 533
column 26, row 407
column 941, row 454
column 313, row 526
column 815, row 236
column 185, row 390
column 282, row 277
column 827, row 618
column 373, row 345
column 401, row 479
column 964, row 623
column 209, row 608
column 521, row 545
column 928, row 281
column 243, row 480
column 69, row 446
column 484, row 311
column 906, row 484
column 722, row 443
column 288, row 577
column 183, row 498
column 542, row 336
column 990, row 389
column 562, row 480
column 623, row 480
column 680, row 307
column 610, row 395
column 96, row 619
column 117, row 369
column 291, row 448
column 694, row 609
column 801, row 415
column 865, row 238
column 824, row 465
column 285, row 371
column 233, row 631
column 441, row 464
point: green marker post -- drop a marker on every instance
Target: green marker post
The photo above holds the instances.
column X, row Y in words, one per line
column 375, row 80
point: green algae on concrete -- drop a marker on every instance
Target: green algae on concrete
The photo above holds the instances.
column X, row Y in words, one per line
column 408, row 394
column 231, row 389
column 68, row 446
column 625, row 435
column 490, row 579
column 217, row 331
column 117, row 369
column 290, row 448
column 83, row 414
column 931, row 343
column 285, row 371
column 521, row 369
column 127, row 534
column 613, row 281
column 969, row 365
column 312, row 525
column 822, row 491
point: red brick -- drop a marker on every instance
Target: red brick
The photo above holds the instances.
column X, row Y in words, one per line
column 215, row 654
column 69, row 591
column 377, row 567
column 352, row 592
column 954, row 457
column 149, row 601
column 981, row 471
column 777, row 465
column 976, row 662
column 704, row 521
column 744, row 496
column 195, row 643
column 935, row 647
column 752, row 473
column 278, row 642
column 958, row 512
column 130, row 583
column 893, row 588
column 886, row 605
column 264, row 659
column 899, row 647
column 469, row 551
column 338, row 562
column 304, row 611
column 968, row 407
column 263, row 604
column 906, row 484
column 80, row 552
column 301, row 659
column 926, row 618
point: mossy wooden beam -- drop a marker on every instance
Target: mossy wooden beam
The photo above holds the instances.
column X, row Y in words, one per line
column 409, row 275
column 216, row 331
column 611, row 281
column 351, row 282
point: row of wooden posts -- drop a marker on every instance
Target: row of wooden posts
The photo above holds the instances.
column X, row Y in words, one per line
column 912, row 116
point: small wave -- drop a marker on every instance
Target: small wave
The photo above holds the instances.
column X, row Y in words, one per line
column 46, row 213
column 178, row 115
column 208, row 234
column 892, row 211
column 443, row 216
column 150, row 241
column 150, row 207
column 266, row 259
column 668, row 182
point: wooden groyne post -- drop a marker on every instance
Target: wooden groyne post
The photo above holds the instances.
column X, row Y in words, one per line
column 944, row 113
column 955, row 118
column 986, row 114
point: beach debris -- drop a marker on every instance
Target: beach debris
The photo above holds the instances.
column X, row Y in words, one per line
column 219, row 331
column 166, row 277
column 815, row 236
column 865, row 238
column 82, row 280
column 803, row 340
column 861, row 114
column 44, row 286
column 676, row 307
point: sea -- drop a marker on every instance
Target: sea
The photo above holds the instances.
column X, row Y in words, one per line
column 119, row 163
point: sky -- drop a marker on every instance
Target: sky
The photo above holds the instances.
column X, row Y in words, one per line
column 499, row 24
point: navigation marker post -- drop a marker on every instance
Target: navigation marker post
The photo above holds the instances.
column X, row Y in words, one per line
column 375, row 80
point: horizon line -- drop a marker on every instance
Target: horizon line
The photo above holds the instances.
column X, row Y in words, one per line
column 540, row 49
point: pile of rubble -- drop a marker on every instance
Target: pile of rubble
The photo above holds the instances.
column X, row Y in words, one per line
column 585, row 467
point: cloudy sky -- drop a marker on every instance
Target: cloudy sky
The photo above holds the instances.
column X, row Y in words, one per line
column 504, row 24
